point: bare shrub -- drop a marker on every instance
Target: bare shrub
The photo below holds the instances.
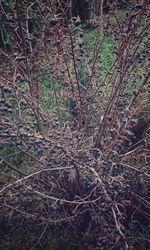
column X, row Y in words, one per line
column 71, row 158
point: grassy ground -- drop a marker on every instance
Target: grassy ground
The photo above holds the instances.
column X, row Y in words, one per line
column 106, row 57
column 106, row 53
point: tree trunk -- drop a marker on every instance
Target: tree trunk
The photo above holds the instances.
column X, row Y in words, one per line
column 82, row 8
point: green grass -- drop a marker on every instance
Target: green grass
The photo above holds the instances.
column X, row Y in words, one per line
column 106, row 57
column 9, row 154
column 48, row 99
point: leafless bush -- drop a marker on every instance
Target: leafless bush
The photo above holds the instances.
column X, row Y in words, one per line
column 81, row 167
